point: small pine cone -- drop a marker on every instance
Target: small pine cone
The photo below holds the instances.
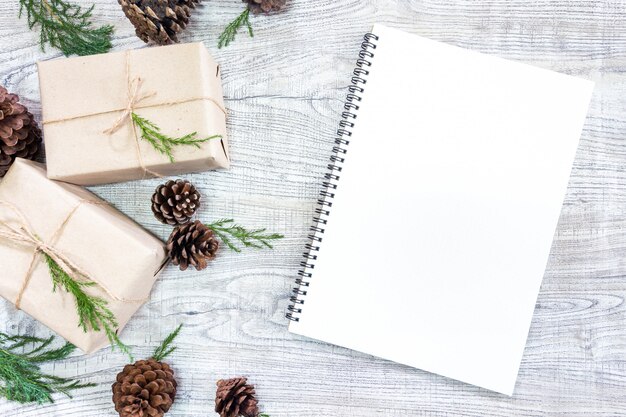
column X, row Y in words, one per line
column 192, row 244
column 158, row 21
column 19, row 135
column 144, row 389
column 235, row 397
column 265, row 6
column 175, row 202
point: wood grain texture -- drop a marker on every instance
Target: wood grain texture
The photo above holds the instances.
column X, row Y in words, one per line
column 284, row 90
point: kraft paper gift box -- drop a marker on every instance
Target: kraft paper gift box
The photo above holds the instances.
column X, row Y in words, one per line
column 118, row 255
column 84, row 97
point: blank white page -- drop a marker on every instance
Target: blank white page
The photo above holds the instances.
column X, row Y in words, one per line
column 445, row 210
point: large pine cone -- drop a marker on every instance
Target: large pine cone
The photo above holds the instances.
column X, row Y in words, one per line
column 235, row 397
column 144, row 389
column 192, row 244
column 159, row 21
column 265, row 6
column 175, row 202
column 19, row 135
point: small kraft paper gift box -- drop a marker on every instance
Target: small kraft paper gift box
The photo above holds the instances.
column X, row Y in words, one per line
column 50, row 230
column 94, row 108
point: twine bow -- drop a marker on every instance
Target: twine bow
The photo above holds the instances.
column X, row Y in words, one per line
column 21, row 232
column 134, row 98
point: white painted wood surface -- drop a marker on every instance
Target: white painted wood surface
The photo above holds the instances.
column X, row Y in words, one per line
column 284, row 89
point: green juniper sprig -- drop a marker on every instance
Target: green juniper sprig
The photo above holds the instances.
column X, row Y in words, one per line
column 226, row 229
column 231, row 30
column 22, row 380
column 66, row 26
column 163, row 143
column 165, row 350
column 93, row 312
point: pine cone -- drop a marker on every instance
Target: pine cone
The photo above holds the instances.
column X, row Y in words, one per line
column 265, row 6
column 235, row 397
column 159, row 21
column 144, row 389
column 175, row 202
column 19, row 135
column 192, row 244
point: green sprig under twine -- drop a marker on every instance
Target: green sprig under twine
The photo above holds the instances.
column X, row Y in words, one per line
column 226, row 229
column 22, row 380
column 93, row 312
column 231, row 30
column 163, row 143
column 66, row 26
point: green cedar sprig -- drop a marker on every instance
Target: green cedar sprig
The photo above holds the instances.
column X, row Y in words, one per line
column 66, row 26
column 226, row 229
column 231, row 30
column 163, row 143
column 93, row 312
column 165, row 350
column 22, row 380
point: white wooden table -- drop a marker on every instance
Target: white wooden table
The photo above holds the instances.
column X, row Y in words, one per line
column 284, row 90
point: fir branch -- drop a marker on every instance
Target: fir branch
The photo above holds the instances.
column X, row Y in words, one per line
column 93, row 312
column 165, row 350
column 231, row 30
column 163, row 143
column 226, row 229
column 21, row 380
column 66, row 26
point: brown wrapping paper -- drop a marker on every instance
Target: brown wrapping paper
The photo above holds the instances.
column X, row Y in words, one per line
column 113, row 249
column 82, row 97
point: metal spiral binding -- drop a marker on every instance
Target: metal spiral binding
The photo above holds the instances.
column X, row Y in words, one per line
column 329, row 185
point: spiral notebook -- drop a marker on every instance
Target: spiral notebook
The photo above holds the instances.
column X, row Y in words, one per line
column 439, row 206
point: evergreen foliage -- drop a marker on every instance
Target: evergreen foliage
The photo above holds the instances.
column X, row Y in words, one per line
column 22, row 380
column 66, row 26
